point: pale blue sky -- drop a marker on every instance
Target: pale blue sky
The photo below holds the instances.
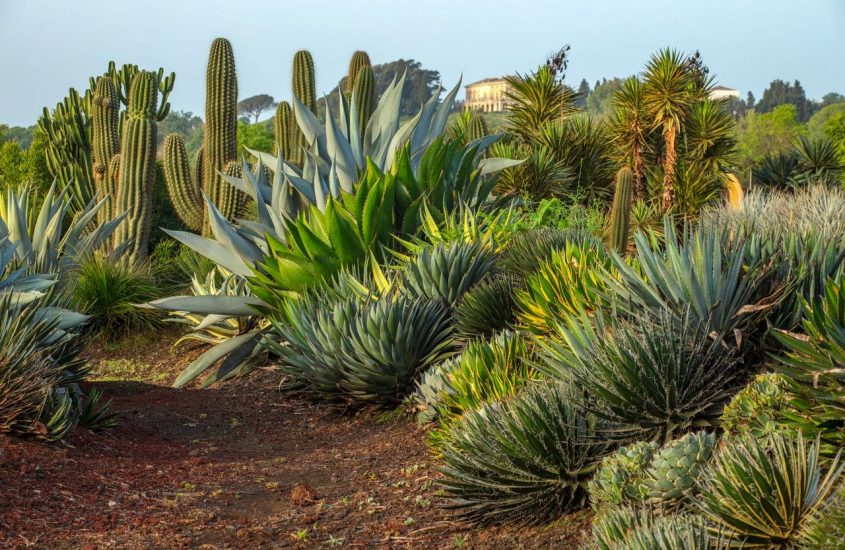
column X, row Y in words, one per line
column 50, row 45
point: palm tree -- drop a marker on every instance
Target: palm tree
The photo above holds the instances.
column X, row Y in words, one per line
column 629, row 126
column 669, row 90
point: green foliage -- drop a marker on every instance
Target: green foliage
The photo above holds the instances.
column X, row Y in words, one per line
column 253, row 106
column 814, row 362
column 799, row 233
column 361, row 350
column 254, row 136
column 758, row 409
column 653, row 376
column 628, row 529
column 780, row 93
column 529, row 250
column 445, row 272
column 486, row 308
column 570, row 283
column 827, row 527
column 619, row 479
column 599, row 102
column 486, row 371
column 524, row 460
column 764, row 493
column 766, row 134
column 109, row 291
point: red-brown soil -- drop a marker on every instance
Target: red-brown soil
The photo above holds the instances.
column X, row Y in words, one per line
column 242, row 465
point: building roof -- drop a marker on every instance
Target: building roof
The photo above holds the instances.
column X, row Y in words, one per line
column 724, row 89
column 486, row 81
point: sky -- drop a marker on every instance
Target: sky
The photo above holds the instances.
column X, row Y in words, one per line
column 51, row 45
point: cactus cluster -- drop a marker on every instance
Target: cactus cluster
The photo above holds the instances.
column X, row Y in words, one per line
column 123, row 147
column 219, row 148
column 290, row 141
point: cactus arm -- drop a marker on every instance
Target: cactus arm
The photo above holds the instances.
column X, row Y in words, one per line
column 105, row 137
column 184, row 192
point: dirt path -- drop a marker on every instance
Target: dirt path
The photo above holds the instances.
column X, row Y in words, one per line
column 240, row 466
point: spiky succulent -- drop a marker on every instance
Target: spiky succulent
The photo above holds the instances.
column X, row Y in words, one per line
column 764, row 493
column 526, row 460
column 569, row 284
column 758, row 409
column 704, row 274
column 619, row 479
column 430, row 390
column 486, row 308
column 815, row 363
column 338, row 345
column 652, row 376
column 674, row 469
column 487, row 370
column 826, row 529
column 531, row 249
column 446, row 271
column 630, row 529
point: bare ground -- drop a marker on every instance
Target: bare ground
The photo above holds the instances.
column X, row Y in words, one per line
column 243, row 465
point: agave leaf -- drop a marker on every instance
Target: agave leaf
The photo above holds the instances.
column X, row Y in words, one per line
column 232, row 306
column 210, row 357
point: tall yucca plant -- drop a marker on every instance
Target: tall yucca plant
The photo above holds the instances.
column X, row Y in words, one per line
column 537, row 98
column 630, row 129
column 763, row 494
column 667, row 97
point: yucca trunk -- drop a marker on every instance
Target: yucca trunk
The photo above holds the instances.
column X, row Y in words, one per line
column 669, row 167
column 637, row 169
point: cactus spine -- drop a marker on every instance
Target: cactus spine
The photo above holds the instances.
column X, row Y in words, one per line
column 620, row 212
column 304, row 88
column 219, row 147
column 359, row 60
column 283, row 122
column 364, row 96
column 136, row 181
column 105, row 119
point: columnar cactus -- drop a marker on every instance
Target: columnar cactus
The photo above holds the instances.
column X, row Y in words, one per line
column 105, row 119
column 219, row 147
column 620, row 212
column 477, row 127
column 136, row 181
column 304, row 88
column 283, row 123
column 359, row 60
column 365, row 96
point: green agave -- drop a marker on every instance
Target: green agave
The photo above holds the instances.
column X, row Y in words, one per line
column 486, row 371
column 525, row 460
column 813, row 365
column 630, row 529
column 339, row 344
column 651, row 376
column 759, row 409
column 529, row 250
column 47, row 239
column 486, row 308
column 446, row 271
column 764, row 493
column 569, row 284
